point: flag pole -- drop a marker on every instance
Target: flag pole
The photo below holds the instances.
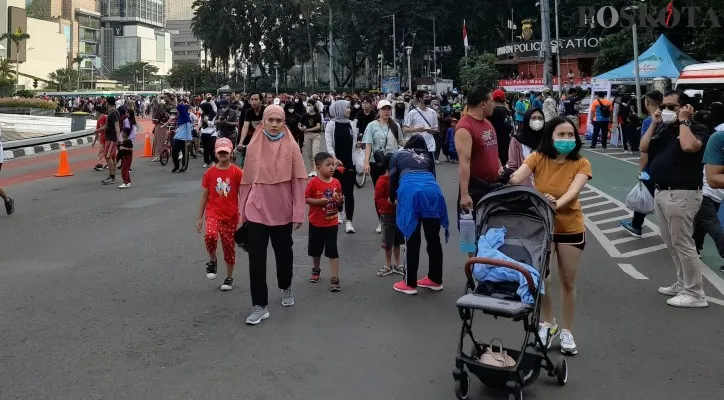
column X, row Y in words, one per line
column 465, row 42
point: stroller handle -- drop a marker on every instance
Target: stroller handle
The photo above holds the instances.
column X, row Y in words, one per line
column 499, row 263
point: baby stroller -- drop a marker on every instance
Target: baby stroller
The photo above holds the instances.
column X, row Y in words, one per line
column 528, row 218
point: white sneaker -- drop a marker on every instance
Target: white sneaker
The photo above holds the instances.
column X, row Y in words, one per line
column 379, row 228
column 312, row 174
column 547, row 332
column 205, row 165
column 154, row 159
column 348, row 227
column 437, row 161
column 686, row 300
column 672, row 290
column 568, row 345
column 124, row 186
column 341, row 217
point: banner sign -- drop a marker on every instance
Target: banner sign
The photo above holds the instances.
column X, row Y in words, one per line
column 568, row 46
column 536, row 85
column 391, row 85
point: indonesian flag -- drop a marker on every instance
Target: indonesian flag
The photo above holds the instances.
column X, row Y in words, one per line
column 465, row 35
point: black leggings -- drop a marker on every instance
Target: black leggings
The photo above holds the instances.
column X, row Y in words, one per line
column 347, row 179
column 179, row 146
column 281, row 240
column 434, row 251
column 208, row 142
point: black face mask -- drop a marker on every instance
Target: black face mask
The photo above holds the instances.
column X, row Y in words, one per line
column 427, row 101
column 407, row 99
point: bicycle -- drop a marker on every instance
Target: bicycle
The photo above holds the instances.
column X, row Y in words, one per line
column 168, row 146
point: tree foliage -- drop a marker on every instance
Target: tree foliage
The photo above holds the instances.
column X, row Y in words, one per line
column 133, row 72
column 479, row 71
column 192, row 76
column 65, row 78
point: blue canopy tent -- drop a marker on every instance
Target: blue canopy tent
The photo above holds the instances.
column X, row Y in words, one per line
column 662, row 59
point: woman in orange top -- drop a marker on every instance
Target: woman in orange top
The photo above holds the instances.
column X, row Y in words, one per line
column 560, row 174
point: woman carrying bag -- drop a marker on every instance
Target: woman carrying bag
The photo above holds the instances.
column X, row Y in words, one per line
column 380, row 137
column 340, row 137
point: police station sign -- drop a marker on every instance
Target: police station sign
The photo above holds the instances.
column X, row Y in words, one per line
column 566, row 46
column 649, row 17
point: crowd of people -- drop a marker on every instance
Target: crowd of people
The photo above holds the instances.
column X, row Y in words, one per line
column 282, row 173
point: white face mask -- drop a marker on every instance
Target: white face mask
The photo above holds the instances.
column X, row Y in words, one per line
column 668, row 116
column 536, row 125
column 356, row 106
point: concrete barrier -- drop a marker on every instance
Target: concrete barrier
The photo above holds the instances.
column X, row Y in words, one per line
column 27, row 111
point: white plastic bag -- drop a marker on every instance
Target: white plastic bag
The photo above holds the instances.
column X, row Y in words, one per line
column 358, row 159
column 640, row 199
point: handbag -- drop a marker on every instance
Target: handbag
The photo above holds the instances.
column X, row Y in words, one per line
column 496, row 359
column 379, row 155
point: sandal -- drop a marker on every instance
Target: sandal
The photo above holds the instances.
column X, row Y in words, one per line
column 334, row 285
column 398, row 269
column 315, row 275
column 385, row 271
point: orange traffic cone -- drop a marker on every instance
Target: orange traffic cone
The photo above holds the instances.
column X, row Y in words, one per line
column 63, row 166
column 147, row 150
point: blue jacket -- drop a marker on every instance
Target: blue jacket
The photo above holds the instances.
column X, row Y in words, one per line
column 488, row 246
column 419, row 196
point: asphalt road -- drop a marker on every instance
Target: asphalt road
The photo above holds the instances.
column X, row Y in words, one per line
column 103, row 295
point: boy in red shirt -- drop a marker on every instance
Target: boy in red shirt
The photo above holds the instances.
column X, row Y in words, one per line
column 324, row 196
column 220, row 202
column 392, row 237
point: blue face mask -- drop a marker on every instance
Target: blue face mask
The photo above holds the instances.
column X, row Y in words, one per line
column 274, row 138
column 564, row 146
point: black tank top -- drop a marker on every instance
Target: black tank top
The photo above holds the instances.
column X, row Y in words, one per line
column 343, row 143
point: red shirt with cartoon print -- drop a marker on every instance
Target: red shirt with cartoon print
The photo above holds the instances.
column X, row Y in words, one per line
column 324, row 216
column 223, row 186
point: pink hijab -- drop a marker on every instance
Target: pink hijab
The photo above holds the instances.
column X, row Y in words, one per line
column 271, row 162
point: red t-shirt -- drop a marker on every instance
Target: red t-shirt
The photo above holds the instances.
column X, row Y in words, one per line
column 484, row 161
column 101, row 122
column 324, row 216
column 223, row 186
column 382, row 196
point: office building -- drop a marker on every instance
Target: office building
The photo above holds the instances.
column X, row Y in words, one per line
column 134, row 31
column 185, row 46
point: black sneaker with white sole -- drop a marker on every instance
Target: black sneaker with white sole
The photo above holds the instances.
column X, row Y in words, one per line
column 211, row 269
column 227, row 285
column 9, row 206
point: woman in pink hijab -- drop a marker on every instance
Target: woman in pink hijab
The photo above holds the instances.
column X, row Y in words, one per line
column 271, row 202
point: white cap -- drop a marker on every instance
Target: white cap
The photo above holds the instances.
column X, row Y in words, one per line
column 383, row 103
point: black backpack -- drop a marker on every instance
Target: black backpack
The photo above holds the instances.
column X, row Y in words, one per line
column 605, row 111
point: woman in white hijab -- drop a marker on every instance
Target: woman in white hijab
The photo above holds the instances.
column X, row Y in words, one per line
column 341, row 139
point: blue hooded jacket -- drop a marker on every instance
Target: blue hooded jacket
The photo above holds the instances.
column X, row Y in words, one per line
column 419, row 196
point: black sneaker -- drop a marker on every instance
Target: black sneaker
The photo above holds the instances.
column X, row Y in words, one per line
column 211, row 269
column 334, row 285
column 175, row 170
column 227, row 285
column 10, row 206
column 98, row 167
column 109, row 181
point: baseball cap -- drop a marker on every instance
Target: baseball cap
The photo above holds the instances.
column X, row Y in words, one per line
column 498, row 95
column 383, row 103
column 223, row 144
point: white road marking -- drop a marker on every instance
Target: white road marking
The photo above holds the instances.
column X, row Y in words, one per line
column 633, row 238
column 631, row 271
column 615, row 158
column 631, row 158
column 712, row 277
column 607, row 220
column 585, row 206
column 715, row 301
column 602, row 212
column 613, row 230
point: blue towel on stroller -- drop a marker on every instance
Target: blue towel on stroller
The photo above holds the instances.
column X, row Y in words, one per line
column 488, row 246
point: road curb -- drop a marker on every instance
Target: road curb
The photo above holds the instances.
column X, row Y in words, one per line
column 27, row 151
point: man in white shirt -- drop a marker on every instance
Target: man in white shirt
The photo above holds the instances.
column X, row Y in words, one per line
column 423, row 120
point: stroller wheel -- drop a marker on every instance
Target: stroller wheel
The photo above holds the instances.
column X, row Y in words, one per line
column 462, row 386
column 562, row 371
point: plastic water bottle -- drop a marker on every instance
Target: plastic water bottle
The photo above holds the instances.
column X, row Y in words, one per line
column 467, row 233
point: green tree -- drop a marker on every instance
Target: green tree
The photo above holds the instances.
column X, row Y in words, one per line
column 39, row 9
column 479, row 71
column 130, row 73
column 16, row 37
column 65, row 78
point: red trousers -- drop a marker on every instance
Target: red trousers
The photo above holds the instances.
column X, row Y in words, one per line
column 224, row 229
column 126, row 168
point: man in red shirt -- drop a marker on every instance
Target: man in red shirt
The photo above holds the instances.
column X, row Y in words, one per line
column 477, row 147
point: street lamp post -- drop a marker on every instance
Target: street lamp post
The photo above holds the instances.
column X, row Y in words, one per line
column 381, row 58
column 276, row 79
column 408, row 50
column 636, row 59
column 394, row 43
column 558, row 53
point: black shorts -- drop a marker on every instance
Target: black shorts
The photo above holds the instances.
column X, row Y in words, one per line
column 323, row 240
column 577, row 240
